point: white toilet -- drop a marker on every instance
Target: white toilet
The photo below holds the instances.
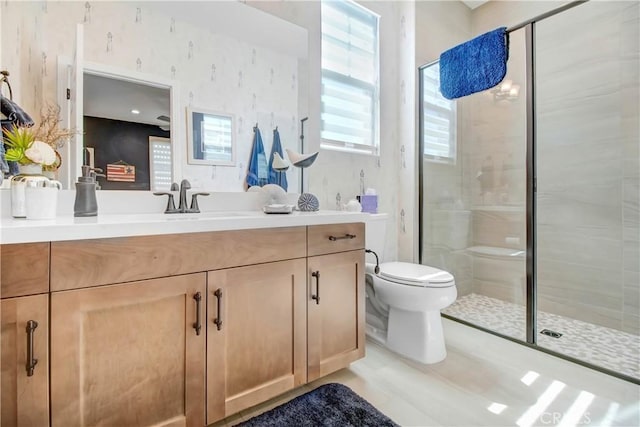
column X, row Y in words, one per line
column 404, row 301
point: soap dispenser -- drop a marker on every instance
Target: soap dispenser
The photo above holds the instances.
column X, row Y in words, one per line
column 86, row 203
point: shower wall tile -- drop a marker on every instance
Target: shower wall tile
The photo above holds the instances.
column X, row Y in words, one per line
column 631, row 324
column 631, row 208
column 631, row 309
column 580, row 311
column 587, row 137
column 501, row 290
column 570, row 245
column 462, row 271
column 631, row 293
column 500, row 278
column 499, row 228
column 583, row 209
column 587, row 284
column 632, row 249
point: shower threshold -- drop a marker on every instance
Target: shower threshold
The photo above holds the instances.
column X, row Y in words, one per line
column 606, row 347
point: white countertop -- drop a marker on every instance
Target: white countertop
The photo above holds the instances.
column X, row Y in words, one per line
column 67, row 227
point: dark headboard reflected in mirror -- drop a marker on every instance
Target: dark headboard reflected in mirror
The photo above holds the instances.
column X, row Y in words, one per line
column 121, row 121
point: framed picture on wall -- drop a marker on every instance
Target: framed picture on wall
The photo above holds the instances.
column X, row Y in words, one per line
column 211, row 138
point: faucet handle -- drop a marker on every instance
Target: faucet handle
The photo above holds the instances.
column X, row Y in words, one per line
column 174, row 187
column 194, row 202
column 171, row 206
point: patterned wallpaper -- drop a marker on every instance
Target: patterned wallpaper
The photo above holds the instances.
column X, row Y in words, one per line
column 214, row 71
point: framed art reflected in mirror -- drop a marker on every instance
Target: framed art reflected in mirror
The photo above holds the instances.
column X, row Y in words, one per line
column 211, row 138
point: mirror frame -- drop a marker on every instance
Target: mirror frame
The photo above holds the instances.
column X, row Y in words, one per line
column 191, row 159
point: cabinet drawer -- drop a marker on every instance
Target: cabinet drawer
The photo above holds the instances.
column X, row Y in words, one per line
column 85, row 263
column 327, row 239
column 25, row 269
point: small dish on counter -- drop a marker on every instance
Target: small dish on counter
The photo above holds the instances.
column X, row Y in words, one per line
column 277, row 209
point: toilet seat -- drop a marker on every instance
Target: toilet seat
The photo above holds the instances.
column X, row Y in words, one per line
column 406, row 273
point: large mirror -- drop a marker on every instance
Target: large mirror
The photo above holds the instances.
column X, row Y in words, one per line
column 225, row 57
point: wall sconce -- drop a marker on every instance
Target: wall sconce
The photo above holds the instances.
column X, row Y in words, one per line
column 506, row 90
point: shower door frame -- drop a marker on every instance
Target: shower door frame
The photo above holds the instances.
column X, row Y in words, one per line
column 531, row 189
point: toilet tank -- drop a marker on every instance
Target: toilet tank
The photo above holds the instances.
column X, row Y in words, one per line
column 375, row 234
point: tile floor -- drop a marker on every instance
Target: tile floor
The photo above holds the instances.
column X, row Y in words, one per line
column 484, row 381
column 606, row 347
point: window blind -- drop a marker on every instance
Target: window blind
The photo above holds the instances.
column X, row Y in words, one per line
column 349, row 97
column 439, row 118
column 160, row 165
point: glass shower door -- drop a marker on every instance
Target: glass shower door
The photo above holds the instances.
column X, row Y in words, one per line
column 473, row 188
column 588, row 184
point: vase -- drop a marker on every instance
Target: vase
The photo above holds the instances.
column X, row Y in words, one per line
column 32, row 174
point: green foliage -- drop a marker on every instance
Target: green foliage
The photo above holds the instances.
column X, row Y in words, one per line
column 18, row 140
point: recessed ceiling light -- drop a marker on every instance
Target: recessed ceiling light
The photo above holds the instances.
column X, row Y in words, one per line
column 134, row 111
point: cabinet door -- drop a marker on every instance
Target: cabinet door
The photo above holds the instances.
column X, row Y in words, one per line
column 129, row 355
column 335, row 311
column 256, row 335
column 25, row 392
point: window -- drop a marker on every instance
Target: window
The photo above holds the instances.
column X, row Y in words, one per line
column 159, row 163
column 438, row 117
column 350, row 86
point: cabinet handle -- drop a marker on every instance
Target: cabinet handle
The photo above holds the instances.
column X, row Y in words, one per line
column 316, row 297
column 346, row 236
column 218, row 320
column 197, row 326
column 31, row 360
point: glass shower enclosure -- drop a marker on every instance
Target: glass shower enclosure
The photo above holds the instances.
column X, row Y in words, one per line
column 532, row 202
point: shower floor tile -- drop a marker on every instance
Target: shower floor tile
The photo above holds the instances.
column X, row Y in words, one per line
column 605, row 347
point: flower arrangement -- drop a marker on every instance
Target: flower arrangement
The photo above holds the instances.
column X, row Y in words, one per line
column 49, row 131
column 38, row 145
column 25, row 149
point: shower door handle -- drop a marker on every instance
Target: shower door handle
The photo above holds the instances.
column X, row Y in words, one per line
column 316, row 297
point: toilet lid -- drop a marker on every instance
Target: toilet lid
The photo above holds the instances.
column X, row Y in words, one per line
column 415, row 274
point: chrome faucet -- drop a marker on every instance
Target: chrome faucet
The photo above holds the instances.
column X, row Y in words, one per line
column 184, row 186
column 182, row 206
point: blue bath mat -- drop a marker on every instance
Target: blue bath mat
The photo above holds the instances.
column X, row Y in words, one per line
column 332, row 405
column 474, row 66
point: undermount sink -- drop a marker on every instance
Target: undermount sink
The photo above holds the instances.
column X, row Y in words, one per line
column 206, row 215
column 224, row 214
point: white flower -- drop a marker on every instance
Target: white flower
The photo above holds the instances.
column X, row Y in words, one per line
column 41, row 153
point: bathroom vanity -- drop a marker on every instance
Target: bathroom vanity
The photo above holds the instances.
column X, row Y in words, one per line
column 149, row 324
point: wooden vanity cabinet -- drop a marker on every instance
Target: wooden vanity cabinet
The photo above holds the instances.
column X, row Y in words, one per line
column 129, row 354
column 146, row 336
column 256, row 335
column 24, row 269
column 335, row 298
column 25, row 332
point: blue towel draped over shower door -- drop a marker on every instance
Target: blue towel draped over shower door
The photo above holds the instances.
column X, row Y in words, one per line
column 258, row 172
column 275, row 176
column 474, row 66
